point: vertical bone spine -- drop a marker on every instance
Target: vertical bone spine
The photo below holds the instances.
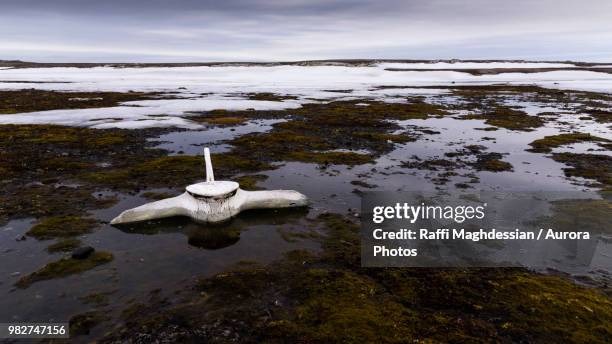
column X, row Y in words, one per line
column 210, row 177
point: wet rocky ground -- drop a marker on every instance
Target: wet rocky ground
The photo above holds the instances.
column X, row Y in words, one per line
column 295, row 276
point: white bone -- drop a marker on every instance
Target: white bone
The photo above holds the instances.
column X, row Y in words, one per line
column 210, row 177
column 212, row 201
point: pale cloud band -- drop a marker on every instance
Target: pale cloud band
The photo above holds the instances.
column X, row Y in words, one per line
column 157, row 30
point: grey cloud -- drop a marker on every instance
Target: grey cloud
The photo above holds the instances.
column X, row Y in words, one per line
column 162, row 30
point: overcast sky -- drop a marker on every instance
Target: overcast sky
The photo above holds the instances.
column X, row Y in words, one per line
column 267, row 30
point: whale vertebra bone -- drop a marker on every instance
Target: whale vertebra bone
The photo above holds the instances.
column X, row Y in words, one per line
column 212, row 201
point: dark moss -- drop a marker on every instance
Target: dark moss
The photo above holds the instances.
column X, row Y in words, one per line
column 29, row 100
column 267, row 96
column 363, row 184
column 481, row 96
column 293, row 235
column 509, row 305
column 97, row 299
column 589, row 166
column 491, row 162
column 546, row 144
column 341, row 245
column 329, row 158
column 600, row 115
column 374, row 136
column 81, row 324
column 64, row 245
column 479, row 93
column 470, row 156
column 249, row 182
column 40, row 161
column 65, row 267
column 505, row 117
column 43, row 200
column 433, row 164
column 219, row 118
column 606, row 146
column 172, row 171
column 343, row 307
column 593, row 215
column 158, row 195
column 32, row 151
column 61, row 227
column 165, row 171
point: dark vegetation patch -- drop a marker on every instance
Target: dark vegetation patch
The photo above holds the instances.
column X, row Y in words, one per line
column 486, row 102
column 546, row 144
column 434, row 164
column 49, row 171
column 96, row 299
column 346, row 91
column 505, row 117
column 363, row 184
column 47, row 200
column 172, row 171
column 496, row 71
column 29, row 100
column 491, row 162
column 41, row 167
column 38, row 152
column 158, row 195
column 65, row 267
column 249, row 182
column 81, row 324
column 469, row 157
column 293, row 234
column 64, row 245
column 488, row 129
column 593, row 215
column 589, row 166
column 483, row 93
column 267, row 96
column 219, row 118
column 328, row 298
column 331, row 133
column 600, row 115
column 62, row 227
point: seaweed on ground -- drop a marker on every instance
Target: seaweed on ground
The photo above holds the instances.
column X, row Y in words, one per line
column 81, row 324
column 65, row 267
column 596, row 167
column 546, row 144
column 64, row 245
column 29, row 100
column 62, row 227
column 505, row 117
